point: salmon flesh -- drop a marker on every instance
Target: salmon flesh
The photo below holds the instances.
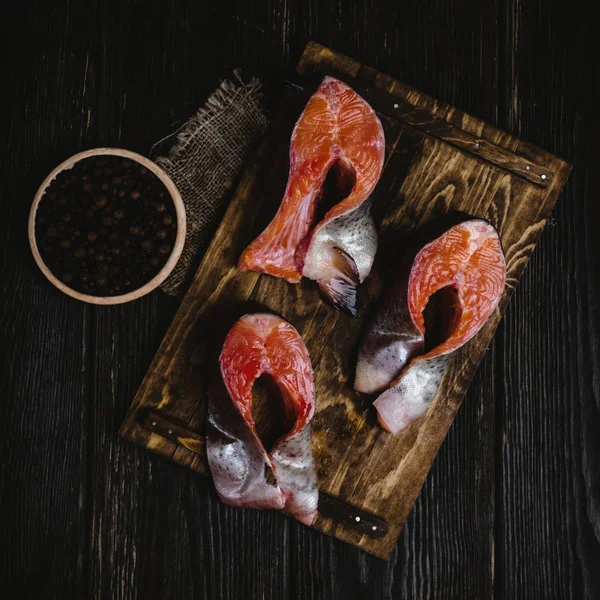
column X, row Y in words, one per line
column 445, row 291
column 338, row 132
column 244, row 472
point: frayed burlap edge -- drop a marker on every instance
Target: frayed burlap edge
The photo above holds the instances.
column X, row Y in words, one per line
column 205, row 162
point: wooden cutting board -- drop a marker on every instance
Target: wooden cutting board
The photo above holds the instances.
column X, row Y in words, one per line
column 438, row 159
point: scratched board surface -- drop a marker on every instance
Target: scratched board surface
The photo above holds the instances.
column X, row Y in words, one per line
column 438, row 160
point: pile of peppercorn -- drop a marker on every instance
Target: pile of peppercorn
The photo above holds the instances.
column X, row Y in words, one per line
column 106, row 226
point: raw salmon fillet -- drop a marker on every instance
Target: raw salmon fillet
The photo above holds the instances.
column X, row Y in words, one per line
column 464, row 270
column 244, row 472
column 337, row 130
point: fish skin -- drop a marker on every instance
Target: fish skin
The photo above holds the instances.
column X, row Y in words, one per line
column 297, row 475
column 411, row 394
column 389, row 340
column 391, row 360
column 236, row 457
column 354, row 236
column 336, row 129
column 244, row 473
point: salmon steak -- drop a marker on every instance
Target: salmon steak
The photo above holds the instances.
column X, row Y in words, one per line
column 449, row 284
column 245, row 473
column 337, row 133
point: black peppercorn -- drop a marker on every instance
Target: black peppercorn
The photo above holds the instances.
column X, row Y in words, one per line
column 107, row 225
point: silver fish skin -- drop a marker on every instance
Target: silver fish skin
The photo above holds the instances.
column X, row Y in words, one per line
column 390, row 339
column 297, row 475
column 340, row 256
column 237, row 458
column 412, row 393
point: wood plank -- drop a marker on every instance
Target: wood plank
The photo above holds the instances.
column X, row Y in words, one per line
column 48, row 110
column 549, row 536
column 357, row 462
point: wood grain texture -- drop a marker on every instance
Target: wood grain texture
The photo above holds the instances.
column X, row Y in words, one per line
column 548, row 374
column 357, row 462
column 45, row 362
column 479, row 521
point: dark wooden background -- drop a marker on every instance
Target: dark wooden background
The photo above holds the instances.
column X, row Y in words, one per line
column 511, row 508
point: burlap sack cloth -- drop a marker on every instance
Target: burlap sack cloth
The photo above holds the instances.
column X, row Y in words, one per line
column 206, row 161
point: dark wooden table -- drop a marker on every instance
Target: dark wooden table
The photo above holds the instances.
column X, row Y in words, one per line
column 511, row 508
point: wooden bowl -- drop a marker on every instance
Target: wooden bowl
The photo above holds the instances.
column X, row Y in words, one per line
column 177, row 246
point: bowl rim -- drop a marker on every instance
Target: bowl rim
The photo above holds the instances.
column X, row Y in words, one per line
column 177, row 246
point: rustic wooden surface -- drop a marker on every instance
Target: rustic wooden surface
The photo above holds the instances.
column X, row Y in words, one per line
column 438, row 160
column 511, row 505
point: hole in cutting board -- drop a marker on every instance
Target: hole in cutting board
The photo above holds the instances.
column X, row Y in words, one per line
column 273, row 415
